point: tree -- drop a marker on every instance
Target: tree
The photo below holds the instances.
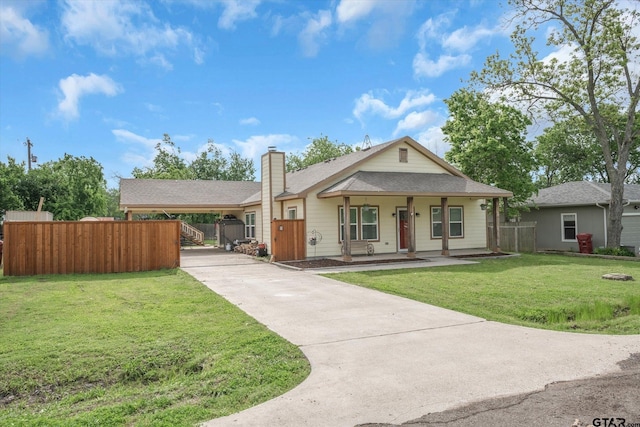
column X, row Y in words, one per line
column 11, row 173
column 599, row 71
column 488, row 143
column 209, row 164
column 318, row 151
column 72, row 188
column 167, row 164
column 239, row 169
column 568, row 151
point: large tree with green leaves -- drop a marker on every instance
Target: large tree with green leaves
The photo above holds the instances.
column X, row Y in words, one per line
column 595, row 75
column 72, row 187
column 168, row 163
column 11, row 174
column 318, row 151
column 570, row 151
column 488, row 143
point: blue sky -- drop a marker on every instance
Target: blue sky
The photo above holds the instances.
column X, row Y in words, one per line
column 107, row 79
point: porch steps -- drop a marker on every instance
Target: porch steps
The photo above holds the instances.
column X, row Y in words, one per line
column 191, row 234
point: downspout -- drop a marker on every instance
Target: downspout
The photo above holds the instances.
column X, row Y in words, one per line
column 604, row 217
column 604, row 212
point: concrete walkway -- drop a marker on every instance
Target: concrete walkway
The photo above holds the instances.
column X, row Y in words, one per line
column 385, row 359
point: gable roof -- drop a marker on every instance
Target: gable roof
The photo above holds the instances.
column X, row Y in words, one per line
column 190, row 195
column 581, row 193
column 411, row 184
column 299, row 183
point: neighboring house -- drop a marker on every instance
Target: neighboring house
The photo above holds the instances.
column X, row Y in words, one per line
column 395, row 193
column 568, row 209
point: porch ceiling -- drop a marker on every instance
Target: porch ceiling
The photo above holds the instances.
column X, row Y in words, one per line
column 364, row 183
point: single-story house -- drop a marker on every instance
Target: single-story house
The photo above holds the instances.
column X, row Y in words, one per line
column 566, row 210
column 400, row 197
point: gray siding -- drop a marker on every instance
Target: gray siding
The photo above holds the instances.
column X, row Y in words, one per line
column 631, row 228
column 590, row 219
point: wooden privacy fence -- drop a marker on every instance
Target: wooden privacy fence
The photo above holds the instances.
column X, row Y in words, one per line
column 288, row 239
column 64, row 247
column 515, row 236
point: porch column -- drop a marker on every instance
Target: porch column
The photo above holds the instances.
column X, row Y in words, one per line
column 128, row 215
column 444, row 212
column 496, row 225
column 411, row 228
column 346, row 242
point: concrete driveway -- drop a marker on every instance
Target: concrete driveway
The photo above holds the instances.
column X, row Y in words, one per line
column 385, row 359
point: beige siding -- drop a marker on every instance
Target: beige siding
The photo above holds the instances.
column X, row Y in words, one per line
column 273, row 183
column 257, row 209
column 265, row 229
column 388, row 161
column 322, row 216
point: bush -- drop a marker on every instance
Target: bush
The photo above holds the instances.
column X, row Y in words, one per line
column 621, row 251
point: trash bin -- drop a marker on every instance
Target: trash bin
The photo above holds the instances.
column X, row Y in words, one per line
column 584, row 243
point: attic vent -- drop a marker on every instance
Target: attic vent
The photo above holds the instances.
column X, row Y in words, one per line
column 404, row 155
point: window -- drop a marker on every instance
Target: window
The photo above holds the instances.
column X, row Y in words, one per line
column 363, row 222
column 292, row 213
column 369, row 222
column 404, row 155
column 569, row 227
column 353, row 221
column 250, row 225
column 456, row 222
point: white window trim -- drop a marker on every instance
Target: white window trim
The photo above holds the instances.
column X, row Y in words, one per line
column 376, row 223
column 461, row 222
column 248, row 226
column 359, row 222
column 575, row 216
column 295, row 213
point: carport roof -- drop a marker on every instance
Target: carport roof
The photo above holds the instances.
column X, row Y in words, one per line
column 185, row 196
column 411, row 184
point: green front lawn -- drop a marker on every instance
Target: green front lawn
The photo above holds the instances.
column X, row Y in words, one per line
column 154, row 348
column 541, row 291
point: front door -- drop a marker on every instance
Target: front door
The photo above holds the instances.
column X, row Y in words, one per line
column 403, row 229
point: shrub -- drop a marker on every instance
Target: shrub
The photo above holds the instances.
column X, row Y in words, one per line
column 621, row 251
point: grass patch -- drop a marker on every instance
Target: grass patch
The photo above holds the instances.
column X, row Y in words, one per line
column 542, row 291
column 153, row 348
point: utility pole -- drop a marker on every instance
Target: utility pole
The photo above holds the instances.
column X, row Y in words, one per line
column 30, row 157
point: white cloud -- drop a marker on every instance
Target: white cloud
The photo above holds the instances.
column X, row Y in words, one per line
column 352, row 10
column 433, row 139
column 432, row 29
column 124, row 135
column 368, row 103
column 154, row 108
column 451, row 48
column 237, row 10
column 464, row 39
column 254, row 147
column 75, row 87
column 20, row 36
column 417, row 120
column 385, row 20
column 161, row 61
column 114, row 28
column 425, row 67
column 315, row 32
column 250, row 121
